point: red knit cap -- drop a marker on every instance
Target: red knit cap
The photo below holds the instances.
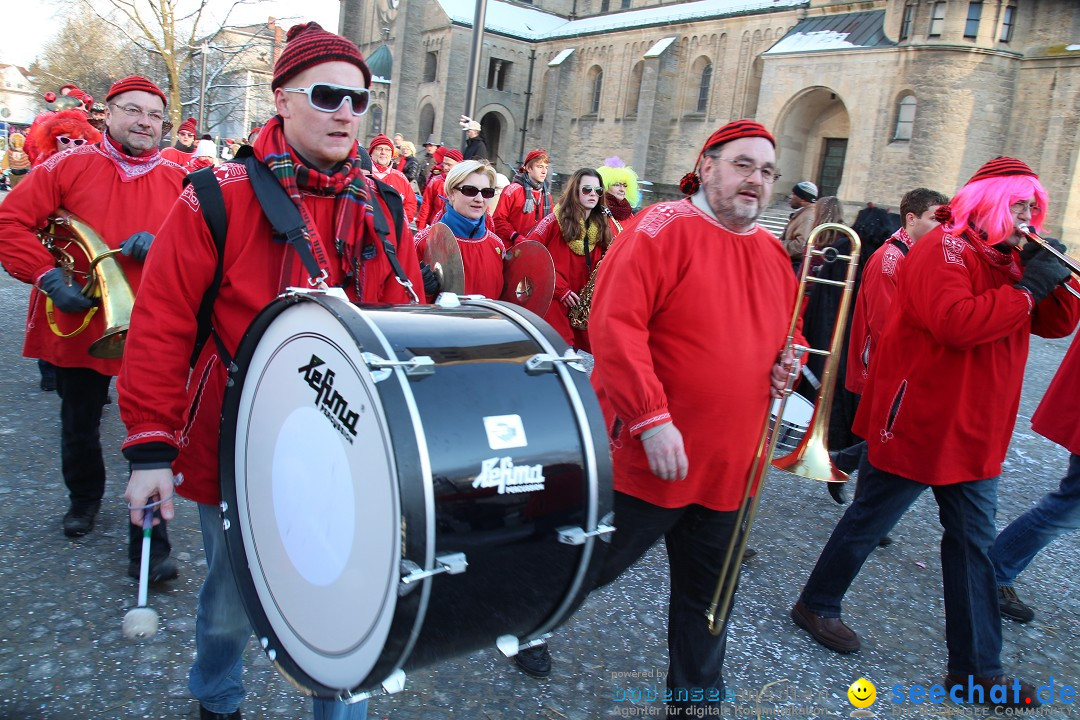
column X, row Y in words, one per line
column 378, row 140
column 187, row 126
column 533, row 156
column 734, row 130
column 1002, row 166
column 453, row 154
column 135, row 82
column 309, row 45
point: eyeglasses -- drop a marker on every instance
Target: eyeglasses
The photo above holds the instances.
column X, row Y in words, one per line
column 329, row 98
column 615, row 185
column 1021, row 206
column 185, row 133
column 65, row 140
column 471, row 190
column 747, row 168
column 591, row 189
column 134, row 111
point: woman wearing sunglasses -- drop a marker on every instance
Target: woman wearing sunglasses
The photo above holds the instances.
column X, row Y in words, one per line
column 468, row 187
column 577, row 233
column 60, row 131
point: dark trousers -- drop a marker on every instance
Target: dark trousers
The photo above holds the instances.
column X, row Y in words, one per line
column 82, row 396
column 696, row 539
column 966, row 511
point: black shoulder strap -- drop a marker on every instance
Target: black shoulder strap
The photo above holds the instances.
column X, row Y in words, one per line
column 282, row 213
column 212, row 202
column 899, row 245
column 397, row 209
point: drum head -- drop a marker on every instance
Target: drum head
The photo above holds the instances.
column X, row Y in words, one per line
column 315, row 498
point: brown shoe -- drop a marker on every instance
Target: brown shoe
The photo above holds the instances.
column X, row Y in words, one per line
column 830, row 632
column 978, row 690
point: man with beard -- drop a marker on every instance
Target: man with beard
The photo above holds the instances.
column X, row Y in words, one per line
column 684, row 435
column 183, row 151
column 525, row 201
column 123, row 189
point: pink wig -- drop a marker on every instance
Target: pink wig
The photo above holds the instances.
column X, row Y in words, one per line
column 985, row 203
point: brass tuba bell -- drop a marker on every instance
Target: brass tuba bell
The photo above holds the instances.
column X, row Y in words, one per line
column 105, row 278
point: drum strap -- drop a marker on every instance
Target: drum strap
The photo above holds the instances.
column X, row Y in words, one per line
column 393, row 201
column 900, row 246
column 212, row 203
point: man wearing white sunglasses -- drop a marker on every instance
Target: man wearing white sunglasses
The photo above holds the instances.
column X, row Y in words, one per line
column 320, row 90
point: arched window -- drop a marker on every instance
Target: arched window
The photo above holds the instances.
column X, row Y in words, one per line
column 703, row 88
column 597, row 89
column 375, row 121
column 633, row 91
column 427, row 122
column 905, row 118
column 431, row 66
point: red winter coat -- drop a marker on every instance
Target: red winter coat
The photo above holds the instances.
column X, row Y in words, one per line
column 872, row 308
column 511, row 224
column 482, row 259
column 159, row 402
column 432, row 204
column 399, row 182
column 176, row 155
column 688, row 319
column 1058, row 415
column 941, row 399
column 84, row 181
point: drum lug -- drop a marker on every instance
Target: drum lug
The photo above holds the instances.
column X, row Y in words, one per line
column 419, row 366
column 451, row 564
column 510, row 646
column 545, row 363
column 570, row 535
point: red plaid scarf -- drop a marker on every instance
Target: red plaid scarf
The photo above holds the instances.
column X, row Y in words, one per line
column 353, row 219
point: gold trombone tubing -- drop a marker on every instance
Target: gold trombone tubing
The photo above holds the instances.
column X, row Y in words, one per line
column 811, row 458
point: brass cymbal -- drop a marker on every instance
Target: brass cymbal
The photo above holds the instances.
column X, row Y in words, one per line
column 444, row 256
column 529, row 276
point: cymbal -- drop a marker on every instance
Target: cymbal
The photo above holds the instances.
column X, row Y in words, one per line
column 444, row 256
column 529, row 276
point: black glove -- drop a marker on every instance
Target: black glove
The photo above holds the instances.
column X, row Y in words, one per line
column 137, row 245
column 66, row 298
column 1042, row 274
column 431, row 283
column 1032, row 249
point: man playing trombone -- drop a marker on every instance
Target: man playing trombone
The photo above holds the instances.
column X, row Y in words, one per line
column 688, row 283
column 938, row 411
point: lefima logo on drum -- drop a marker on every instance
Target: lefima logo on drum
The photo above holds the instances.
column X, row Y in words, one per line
column 501, row 473
column 329, row 400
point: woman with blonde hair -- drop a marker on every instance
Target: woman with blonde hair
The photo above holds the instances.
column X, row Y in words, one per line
column 468, row 187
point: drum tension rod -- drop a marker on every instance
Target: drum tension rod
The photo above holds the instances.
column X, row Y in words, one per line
column 414, row 367
column 545, row 363
column 451, row 564
column 570, row 535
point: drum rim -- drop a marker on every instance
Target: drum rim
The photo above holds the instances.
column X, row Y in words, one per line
column 528, row 322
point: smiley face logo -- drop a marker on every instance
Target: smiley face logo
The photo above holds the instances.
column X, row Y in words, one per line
column 862, row 693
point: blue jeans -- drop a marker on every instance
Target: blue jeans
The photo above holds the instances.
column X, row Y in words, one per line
column 966, row 511
column 695, row 538
column 1055, row 514
column 222, row 630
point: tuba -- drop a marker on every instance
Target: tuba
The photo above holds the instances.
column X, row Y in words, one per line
column 105, row 279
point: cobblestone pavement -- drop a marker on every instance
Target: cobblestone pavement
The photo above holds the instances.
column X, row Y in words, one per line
column 62, row 656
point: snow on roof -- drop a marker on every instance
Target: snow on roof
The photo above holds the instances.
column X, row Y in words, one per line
column 835, row 32
column 532, row 24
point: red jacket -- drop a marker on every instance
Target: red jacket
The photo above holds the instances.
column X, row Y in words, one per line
column 687, row 322
column 432, row 203
column 84, row 181
column 872, row 308
column 176, row 155
column 944, row 386
column 159, row 402
column 1058, row 415
column 482, row 259
column 511, row 223
column 399, row 182
column 571, row 275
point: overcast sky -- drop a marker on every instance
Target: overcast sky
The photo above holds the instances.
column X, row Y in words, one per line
column 20, row 45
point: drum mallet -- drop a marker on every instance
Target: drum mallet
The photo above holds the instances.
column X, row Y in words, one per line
column 142, row 622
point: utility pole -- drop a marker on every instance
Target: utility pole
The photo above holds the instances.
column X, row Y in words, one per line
column 202, row 91
column 474, row 58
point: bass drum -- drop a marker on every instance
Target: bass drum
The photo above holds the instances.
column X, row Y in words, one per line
column 402, row 485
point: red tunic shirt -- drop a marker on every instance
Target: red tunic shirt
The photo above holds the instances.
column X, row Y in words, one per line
column 872, row 308
column 511, row 223
column 1058, row 415
column 173, row 154
column 944, row 387
column 399, row 182
column 687, row 322
column 432, row 203
column 84, row 181
column 571, row 275
column 158, row 401
column 482, row 259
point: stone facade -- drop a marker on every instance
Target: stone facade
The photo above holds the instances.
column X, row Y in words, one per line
column 650, row 88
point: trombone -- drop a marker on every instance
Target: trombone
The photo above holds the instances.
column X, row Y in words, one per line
column 1029, row 233
column 810, row 459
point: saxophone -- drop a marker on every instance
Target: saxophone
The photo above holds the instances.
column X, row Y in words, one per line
column 579, row 314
